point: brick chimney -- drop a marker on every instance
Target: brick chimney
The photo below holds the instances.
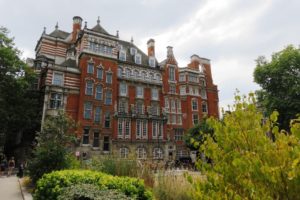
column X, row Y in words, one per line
column 76, row 27
column 195, row 62
column 151, row 47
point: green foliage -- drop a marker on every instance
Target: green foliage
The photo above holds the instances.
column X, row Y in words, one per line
column 52, row 153
column 279, row 79
column 114, row 166
column 196, row 135
column 19, row 104
column 246, row 162
column 90, row 192
column 51, row 185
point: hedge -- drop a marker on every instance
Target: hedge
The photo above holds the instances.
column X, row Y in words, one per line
column 50, row 186
column 90, row 192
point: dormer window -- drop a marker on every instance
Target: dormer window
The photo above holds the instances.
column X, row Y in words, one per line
column 152, row 62
column 122, row 55
column 133, row 51
column 138, row 59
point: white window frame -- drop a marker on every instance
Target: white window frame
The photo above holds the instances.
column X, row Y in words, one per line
column 141, row 153
column 183, row 90
column 123, row 89
column 87, row 110
column 133, row 51
column 97, row 114
column 182, row 77
column 139, row 92
column 90, row 68
column 124, row 152
column 89, row 89
column 122, row 55
column 157, row 153
column 106, row 98
column 193, row 116
column 58, row 82
column 56, row 100
column 206, row 107
column 152, row 61
column 109, row 74
column 194, row 105
column 99, row 92
column 138, row 58
column 154, row 94
column 172, row 73
column 100, row 69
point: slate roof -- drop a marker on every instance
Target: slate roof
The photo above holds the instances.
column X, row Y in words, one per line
column 69, row 63
column 100, row 29
column 130, row 58
column 59, row 34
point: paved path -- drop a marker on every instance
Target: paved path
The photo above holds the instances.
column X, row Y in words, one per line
column 10, row 188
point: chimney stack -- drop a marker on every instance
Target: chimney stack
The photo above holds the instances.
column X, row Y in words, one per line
column 170, row 52
column 195, row 62
column 151, row 47
column 76, row 27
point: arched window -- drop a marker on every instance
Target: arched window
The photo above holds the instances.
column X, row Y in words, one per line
column 141, row 153
column 157, row 153
column 128, row 72
column 89, row 87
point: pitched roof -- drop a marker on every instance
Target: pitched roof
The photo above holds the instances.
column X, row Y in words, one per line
column 99, row 29
column 69, row 63
column 59, row 34
column 130, row 58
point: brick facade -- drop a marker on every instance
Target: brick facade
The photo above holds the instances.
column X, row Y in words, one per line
column 126, row 102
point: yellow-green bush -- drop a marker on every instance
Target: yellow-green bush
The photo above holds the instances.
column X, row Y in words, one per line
column 52, row 184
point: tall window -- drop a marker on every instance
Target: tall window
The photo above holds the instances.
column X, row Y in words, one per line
column 120, row 71
column 141, row 129
column 154, row 93
column 99, row 92
column 173, row 106
column 178, row 103
column 107, row 120
column 136, row 74
column 124, row 152
column 87, row 110
column 140, row 107
column 99, row 73
column 204, row 107
column 167, row 104
column 195, row 119
column 108, row 97
column 123, row 89
column 144, row 75
column 58, row 79
column 55, row 101
column 123, row 106
column 194, row 105
column 203, row 94
column 138, row 58
column 97, row 117
column 152, row 62
column 172, row 89
column 141, row 153
column 109, row 77
column 172, row 73
column 193, row 78
column 173, row 119
column 179, row 119
column 154, row 109
column 182, row 90
column 96, row 139
column 86, row 136
column 124, row 125
column 151, row 76
column 139, row 92
column 89, row 87
column 157, row 153
column 106, row 143
column 133, row 51
column 122, row 55
column 90, row 68
column 157, row 129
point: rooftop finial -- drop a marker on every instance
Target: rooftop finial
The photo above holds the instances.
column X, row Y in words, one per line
column 98, row 20
column 44, row 31
column 56, row 26
column 85, row 24
column 131, row 39
column 117, row 34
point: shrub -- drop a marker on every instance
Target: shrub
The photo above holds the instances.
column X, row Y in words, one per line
column 50, row 186
column 90, row 192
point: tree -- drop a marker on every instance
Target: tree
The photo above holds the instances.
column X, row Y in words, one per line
column 19, row 104
column 197, row 135
column 246, row 162
column 280, row 82
column 52, row 152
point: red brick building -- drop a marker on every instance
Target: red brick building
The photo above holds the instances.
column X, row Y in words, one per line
column 127, row 103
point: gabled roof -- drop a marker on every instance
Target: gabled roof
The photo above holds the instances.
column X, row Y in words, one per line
column 59, row 34
column 99, row 29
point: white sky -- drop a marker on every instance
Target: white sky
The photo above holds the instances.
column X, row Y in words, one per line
column 231, row 33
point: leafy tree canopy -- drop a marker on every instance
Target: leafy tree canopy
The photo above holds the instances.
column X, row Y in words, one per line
column 246, row 162
column 19, row 104
column 280, row 82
